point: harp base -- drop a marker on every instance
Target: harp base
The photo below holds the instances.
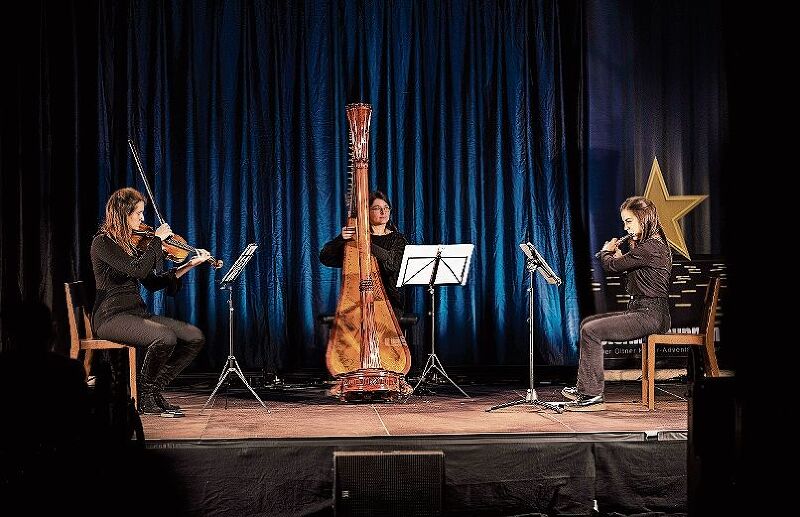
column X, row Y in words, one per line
column 371, row 385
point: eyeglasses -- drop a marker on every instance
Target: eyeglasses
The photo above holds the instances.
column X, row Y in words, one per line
column 386, row 209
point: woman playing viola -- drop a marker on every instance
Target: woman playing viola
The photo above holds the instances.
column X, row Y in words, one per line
column 121, row 315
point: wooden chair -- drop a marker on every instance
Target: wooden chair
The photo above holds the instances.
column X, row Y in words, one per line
column 78, row 311
column 704, row 339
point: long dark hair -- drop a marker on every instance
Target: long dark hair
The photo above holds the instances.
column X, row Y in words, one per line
column 120, row 205
column 645, row 211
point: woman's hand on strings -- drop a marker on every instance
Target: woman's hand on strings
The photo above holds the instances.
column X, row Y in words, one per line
column 201, row 257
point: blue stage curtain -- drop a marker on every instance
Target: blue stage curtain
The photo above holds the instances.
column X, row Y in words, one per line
column 238, row 112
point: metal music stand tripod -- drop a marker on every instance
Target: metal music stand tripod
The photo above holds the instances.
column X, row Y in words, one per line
column 434, row 265
column 534, row 262
column 227, row 284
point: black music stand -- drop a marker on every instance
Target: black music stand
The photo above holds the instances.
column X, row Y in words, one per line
column 227, row 284
column 432, row 265
column 534, row 262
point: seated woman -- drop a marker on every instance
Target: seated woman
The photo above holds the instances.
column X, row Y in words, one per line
column 121, row 315
column 387, row 248
column 647, row 265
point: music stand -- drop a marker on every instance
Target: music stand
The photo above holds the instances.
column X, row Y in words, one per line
column 227, row 284
column 432, row 265
column 534, row 262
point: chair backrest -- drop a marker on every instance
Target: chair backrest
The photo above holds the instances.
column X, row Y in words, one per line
column 80, row 327
column 710, row 309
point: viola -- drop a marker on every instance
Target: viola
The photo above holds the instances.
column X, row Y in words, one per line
column 175, row 247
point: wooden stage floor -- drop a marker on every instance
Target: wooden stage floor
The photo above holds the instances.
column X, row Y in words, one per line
column 307, row 412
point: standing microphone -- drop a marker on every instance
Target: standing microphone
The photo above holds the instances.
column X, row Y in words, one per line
column 620, row 241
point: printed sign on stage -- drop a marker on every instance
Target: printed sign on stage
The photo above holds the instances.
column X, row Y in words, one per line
column 687, row 288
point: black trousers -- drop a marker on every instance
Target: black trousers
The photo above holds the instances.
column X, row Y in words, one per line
column 170, row 345
column 644, row 316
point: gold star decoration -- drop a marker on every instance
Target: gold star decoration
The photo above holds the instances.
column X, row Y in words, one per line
column 671, row 209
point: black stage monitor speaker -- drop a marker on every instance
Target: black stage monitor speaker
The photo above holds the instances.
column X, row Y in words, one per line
column 396, row 483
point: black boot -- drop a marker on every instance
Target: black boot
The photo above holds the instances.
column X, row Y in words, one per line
column 165, row 405
column 148, row 404
column 149, row 388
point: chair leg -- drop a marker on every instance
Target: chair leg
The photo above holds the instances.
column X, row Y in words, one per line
column 645, row 377
column 710, row 357
column 651, row 374
column 132, row 368
column 87, row 361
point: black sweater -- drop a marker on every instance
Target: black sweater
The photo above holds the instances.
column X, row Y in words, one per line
column 388, row 251
column 648, row 266
column 118, row 277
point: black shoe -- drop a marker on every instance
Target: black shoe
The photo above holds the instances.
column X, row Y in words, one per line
column 165, row 405
column 586, row 403
column 570, row 392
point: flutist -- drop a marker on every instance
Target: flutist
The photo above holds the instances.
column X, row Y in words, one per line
column 647, row 265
